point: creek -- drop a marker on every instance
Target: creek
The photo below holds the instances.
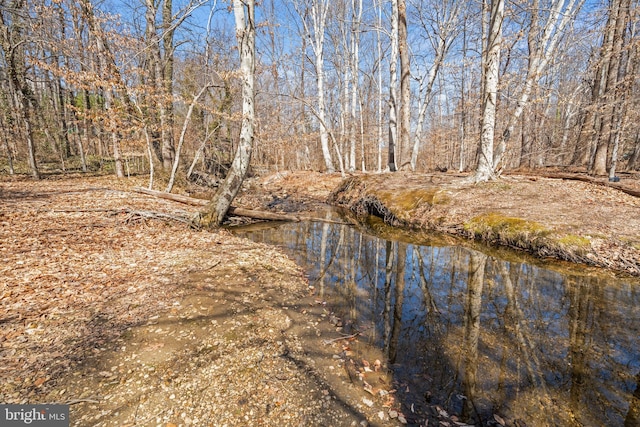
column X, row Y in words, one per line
column 477, row 331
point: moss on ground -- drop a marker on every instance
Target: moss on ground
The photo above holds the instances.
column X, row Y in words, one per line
column 518, row 232
column 406, row 201
column 575, row 242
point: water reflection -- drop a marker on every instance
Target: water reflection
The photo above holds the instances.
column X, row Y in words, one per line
column 479, row 335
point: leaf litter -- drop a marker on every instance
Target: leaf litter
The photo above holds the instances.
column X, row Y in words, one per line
column 150, row 322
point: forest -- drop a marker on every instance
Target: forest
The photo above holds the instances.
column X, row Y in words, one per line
column 403, row 283
column 153, row 85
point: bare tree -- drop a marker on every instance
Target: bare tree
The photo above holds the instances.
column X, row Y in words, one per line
column 405, row 82
column 440, row 22
column 491, row 67
column 315, row 31
column 393, row 89
column 245, row 33
column 610, row 78
column 114, row 83
column 542, row 41
column 356, row 17
column 13, row 42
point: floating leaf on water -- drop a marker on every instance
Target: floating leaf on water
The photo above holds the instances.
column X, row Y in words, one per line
column 368, row 388
column 442, row 412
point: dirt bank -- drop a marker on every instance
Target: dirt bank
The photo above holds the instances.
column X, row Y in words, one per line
column 568, row 220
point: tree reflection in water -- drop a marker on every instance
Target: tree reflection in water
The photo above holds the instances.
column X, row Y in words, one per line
column 477, row 334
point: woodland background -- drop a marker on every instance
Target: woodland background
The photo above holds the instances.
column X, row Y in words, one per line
column 131, row 87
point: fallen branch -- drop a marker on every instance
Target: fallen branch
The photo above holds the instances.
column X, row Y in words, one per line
column 233, row 210
column 346, row 337
column 144, row 215
column 133, row 215
column 170, row 196
column 76, row 401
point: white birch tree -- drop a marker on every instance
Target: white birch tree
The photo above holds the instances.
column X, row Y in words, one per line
column 543, row 38
column 379, row 64
column 491, row 68
column 314, row 26
column 405, row 83
column 246, row 35
column 393, row 88
column 356, row 18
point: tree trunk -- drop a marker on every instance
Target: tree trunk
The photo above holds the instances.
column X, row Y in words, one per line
column 405, row 84
column 610, row 55
column 425, row 94
column 491, row 66
column 13, row 44
column 315, row 33
column 245, row 33
column 187, row 119
column 542, row 42
column 168, row 146
column 393, row 89
column 379, row 64
column 108, row 66
column 356, row 16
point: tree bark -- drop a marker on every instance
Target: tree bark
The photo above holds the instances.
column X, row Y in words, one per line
column 245, row 33
column 491, row 67
column 405, row 84
column 393, row 90
column 168, row 143
column 444, row 33
column 315, row 32
column 13, row 43
column 542, row 43
column 108, row 66
column 619, row 20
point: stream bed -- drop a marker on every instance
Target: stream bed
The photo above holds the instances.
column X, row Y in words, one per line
column 478, row 332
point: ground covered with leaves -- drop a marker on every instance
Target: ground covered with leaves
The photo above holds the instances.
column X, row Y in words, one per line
column 139, row 320
column 111, row 302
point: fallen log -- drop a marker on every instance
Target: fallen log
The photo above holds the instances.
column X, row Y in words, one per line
column 170, row 196
column 233, row 210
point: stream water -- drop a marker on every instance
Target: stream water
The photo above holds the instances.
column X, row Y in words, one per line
column 479, row 332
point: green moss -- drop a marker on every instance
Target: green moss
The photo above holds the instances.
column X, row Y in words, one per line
column 512, row 231
column 405, row 201
column 574, row 241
